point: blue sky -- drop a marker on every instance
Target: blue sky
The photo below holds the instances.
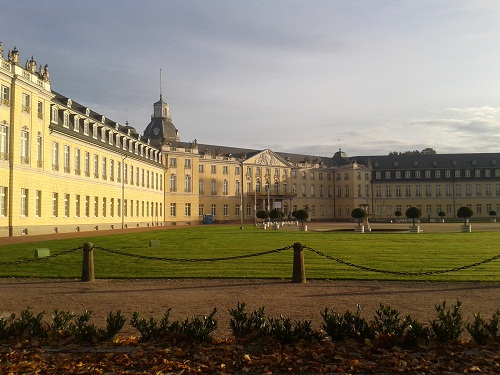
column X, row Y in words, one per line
column 294, row 76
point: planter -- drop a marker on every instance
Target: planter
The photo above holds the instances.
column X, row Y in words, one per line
column 493, row 220
column 466, row 228
column 303, row 228
column 415, row 229
column 275, row 226
column 359, row 229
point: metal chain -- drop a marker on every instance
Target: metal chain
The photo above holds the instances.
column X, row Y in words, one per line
column 192, row 260
column 42, row 258
column 400, row 272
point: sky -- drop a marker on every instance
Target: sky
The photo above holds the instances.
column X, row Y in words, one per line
column 311, row 76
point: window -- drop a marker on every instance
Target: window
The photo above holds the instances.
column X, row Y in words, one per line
column 213, row 169
column 26, row 103
column 66, row 205
column 4, row 142
column 172, row 209
column 119, row 207
column 479, row 190
column 237, row 171
column 417, row 174
column 87, row 164
column 112, row 207
column 458, row 190
column 214, row 209
column 213, row 187
column 378, row 191
column 249, row 210
column 187, row 209
column 54, row 114
column 418, row 191
column 387, row 175
column 377, row 175
column 201, row 169
column 86, row 127
column 24, row 202
column 187, row 163
column 5, row 96
column 77, row 205
column 388, row 191
column 76, row 124
column 408, row 190
column 66, row 159
column 437, row 174
column 187, row 183
column 96, row 166
column 249, row 171
column 225, row 169
column 427, row 174
column 40, row 110
column 479, row 208
column 428, row 190
column 87, row 206
column 237, row 210
column 173, row 162
column 173, row 182
column 25, row 146
column 66, row 119
column 407, row 174
column 477, row 173
column 225, row 210
column 3, row 201
column 104, row 168
column 55, row 156
column 96, row 207
column 237, row 187
column 55, row 204
column 225, row 187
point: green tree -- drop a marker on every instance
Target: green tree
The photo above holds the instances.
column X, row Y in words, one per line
column 398, row 214
column 465, row 213
column 359, row 214
column 413, row 213
column 275, row 214
column 301, row 215
column 263, row 214
column 441, row 214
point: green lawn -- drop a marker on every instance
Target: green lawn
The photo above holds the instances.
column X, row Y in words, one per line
column 403, row 252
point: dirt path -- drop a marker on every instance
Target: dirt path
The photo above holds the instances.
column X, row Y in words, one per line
column 199, row 297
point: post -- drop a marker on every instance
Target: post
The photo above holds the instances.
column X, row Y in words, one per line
column 88, row 262
column 299, row 273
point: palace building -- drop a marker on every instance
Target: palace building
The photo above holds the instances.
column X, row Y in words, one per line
column 64, row 168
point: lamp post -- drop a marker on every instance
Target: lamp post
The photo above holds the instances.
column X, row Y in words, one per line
column 241, row 193
column 123, row 191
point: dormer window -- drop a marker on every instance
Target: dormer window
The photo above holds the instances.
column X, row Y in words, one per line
column 66, row 119
column 86, row 127
column 54, row 114
column 94, row 131
column 76, row 124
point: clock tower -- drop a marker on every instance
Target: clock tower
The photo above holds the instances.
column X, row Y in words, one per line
column 161, row 129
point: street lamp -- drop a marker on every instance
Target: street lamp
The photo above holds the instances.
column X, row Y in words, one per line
column 123, row 191
column 241, row 193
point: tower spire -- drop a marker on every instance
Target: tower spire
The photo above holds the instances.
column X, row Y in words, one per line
column 161, row 88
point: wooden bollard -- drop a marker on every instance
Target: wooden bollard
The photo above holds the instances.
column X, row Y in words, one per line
column 88, row 262
column 299, row 272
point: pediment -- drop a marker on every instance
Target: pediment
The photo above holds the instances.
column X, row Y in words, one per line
column 267, row 158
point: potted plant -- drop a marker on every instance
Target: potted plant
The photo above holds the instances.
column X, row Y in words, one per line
column 359, row 214
column 413, row 213
column 264, row 215
column 493, row 214
column 465, row 213
column 398, row 214
column 275, row 214
column 301, row 215
column 442, row 214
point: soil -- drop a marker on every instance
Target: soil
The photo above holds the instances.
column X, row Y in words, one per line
column 188, row 297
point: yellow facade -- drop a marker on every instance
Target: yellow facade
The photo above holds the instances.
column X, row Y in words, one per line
column 66, row 168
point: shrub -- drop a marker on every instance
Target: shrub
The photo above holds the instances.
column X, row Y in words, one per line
column 413, row 213
column 359, row 214
column 301, row 215
column 348, row 326
column 262, row 214
column 465, row 213
column 448, row 325
column 151, row 329
column 244, row 324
